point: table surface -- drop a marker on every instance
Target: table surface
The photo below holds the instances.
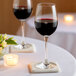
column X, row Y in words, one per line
column 65, row 60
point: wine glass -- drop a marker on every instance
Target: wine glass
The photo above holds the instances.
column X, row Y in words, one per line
column 46, row 23
column 22, row 10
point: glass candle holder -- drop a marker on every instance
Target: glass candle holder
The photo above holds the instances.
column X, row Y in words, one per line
column 10, row 60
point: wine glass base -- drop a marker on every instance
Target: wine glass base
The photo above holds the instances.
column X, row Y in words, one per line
column 52, row 67
column 23, row 45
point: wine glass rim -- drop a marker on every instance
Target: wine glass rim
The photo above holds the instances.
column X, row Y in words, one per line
column 53, row 4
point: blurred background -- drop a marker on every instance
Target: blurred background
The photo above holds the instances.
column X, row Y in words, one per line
column 65, row 36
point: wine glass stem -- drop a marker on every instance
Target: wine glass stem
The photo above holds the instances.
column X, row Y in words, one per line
column 46, row 51
column 22, row 24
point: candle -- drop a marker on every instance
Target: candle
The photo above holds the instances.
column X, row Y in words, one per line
column 10, row 59
column 68, row 18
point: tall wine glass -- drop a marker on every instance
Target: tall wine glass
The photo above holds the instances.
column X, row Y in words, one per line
column 46, row 22
column 22, row 10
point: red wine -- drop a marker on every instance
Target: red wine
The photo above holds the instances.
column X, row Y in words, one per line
column 22, row 12
column 46, row 26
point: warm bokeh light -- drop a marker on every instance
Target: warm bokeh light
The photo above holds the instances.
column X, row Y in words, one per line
column 10, row 59
column 68, row 18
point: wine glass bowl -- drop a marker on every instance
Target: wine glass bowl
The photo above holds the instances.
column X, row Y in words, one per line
column 46, row 19
column 22, row 9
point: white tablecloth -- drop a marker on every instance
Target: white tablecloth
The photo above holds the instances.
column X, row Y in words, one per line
column 65, row 60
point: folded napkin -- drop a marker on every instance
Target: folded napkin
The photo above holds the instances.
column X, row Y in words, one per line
column 41, row 68
column 28, row 48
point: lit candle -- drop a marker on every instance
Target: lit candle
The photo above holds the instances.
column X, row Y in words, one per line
column 68, row 18
column 10, row 59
